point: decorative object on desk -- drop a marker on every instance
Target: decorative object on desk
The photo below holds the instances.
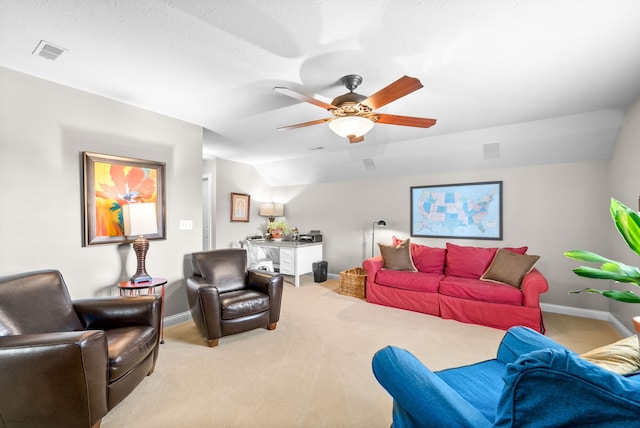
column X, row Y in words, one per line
column 277, row 229
column 373, row 232
column 140, row 219
column 271, row 210
column 110, row 182
column 240, row 205
column 627, row 222
column 469, row 210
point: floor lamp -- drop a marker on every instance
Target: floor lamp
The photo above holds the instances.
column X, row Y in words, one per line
column 373, row 232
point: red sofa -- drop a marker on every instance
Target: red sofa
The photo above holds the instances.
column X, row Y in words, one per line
column 447, row 283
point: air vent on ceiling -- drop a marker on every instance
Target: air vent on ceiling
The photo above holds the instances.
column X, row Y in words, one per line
column 48, row 50
column 369, row 164
column 492, row 150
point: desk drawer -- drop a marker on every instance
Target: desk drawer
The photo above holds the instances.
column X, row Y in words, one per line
column 287, row 261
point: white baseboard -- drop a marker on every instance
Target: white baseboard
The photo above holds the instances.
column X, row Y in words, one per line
column 587, row 313
column 546, row 307
column 177, row 318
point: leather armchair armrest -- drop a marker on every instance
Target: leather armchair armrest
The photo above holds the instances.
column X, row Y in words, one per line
column 114, row 312
column 204, row 304
column 267, row 282
column 270, row 284
column 67, row 369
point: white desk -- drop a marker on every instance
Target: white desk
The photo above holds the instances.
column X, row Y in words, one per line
column 295, row 258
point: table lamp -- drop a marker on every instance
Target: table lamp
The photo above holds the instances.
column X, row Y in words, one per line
column 271, row 210
column 140, row 219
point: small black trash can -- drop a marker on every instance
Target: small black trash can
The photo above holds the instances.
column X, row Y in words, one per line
column 320, row 271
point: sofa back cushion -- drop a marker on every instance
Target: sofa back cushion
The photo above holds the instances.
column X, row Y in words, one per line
column 426, row 259
column 471, row 262
column 467, row 262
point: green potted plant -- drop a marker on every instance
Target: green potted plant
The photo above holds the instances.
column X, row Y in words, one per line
column 627, row 222
column 277, row 229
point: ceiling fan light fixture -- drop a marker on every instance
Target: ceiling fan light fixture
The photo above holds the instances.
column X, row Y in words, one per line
column 351, row 126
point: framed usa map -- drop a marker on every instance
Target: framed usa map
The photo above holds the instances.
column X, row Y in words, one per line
column 465, row 211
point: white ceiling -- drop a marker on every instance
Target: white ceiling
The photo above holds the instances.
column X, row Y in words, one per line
column 547, row 79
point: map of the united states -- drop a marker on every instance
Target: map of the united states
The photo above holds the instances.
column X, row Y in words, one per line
column 457, row 211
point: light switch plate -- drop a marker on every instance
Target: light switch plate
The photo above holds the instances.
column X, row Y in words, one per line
column 186, row 224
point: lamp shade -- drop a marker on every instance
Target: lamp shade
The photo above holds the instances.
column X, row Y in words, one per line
column 271, row 209
column 351, row 125
column 140, row 218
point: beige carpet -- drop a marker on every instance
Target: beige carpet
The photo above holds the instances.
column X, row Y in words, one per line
column 314, row 370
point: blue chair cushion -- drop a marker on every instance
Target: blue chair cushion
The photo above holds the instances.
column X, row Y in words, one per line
column 479, row 384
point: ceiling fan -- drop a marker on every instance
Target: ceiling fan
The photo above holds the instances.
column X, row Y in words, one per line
column 354, row 115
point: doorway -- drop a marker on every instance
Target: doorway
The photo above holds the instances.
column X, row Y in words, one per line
column 206, row 212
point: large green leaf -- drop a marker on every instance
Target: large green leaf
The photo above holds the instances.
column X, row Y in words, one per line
column 627, row 222
column 586, row 256
column 622, row 296
column 589, row 272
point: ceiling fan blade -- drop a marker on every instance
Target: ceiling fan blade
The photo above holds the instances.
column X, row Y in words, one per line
column 302, row 125
column 301, row 97
column 398, row 89
column 418, row 122
column 353, row 139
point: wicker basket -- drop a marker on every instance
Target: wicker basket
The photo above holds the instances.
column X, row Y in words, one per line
column 352, row 282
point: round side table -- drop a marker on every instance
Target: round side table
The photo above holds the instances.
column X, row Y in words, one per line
column 134, row 289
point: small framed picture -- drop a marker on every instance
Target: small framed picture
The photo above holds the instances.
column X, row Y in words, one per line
column 240, row 204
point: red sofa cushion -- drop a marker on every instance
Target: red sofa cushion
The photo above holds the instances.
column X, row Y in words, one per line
column 426, row 259
column 467, row 262
column 419, row 281
column 471, row 262
column 475, row 289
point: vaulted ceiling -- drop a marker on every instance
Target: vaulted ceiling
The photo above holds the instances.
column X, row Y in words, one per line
column 511, row 83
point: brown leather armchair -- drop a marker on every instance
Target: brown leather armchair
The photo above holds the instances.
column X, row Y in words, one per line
column 66, row 363
column 227, row 298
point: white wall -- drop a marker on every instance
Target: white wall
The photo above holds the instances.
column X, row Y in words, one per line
column 44, row 128
column 237, row 178
column 550, row 208
column 625, row 186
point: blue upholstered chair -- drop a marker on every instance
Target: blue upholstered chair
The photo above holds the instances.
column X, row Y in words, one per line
column 533, row 382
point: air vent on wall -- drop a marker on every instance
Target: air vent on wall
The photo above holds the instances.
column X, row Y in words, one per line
column 48, row 50
column 492, row 150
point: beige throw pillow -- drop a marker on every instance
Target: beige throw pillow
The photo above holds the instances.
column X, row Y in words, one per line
column 622, row 357
column 397, row 257
column 509, row 268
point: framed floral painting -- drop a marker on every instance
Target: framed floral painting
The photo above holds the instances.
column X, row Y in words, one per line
column 110, row 182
